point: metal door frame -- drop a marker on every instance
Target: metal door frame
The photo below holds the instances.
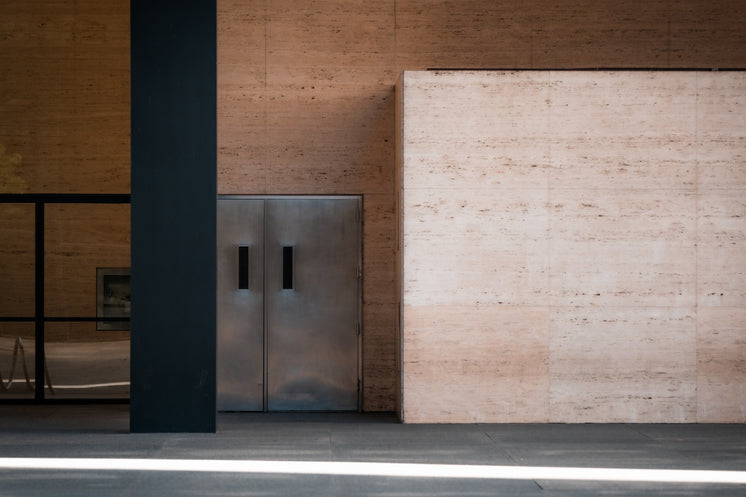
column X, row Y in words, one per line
column 359, row 358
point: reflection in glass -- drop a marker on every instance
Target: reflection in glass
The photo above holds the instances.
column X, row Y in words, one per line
column 17, row 257
column 84, row 363
column 87, row 248
column 113, row 297
column 17, row 356
column 79, row 239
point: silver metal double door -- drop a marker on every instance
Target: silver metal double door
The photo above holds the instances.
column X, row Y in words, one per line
column 289, row 287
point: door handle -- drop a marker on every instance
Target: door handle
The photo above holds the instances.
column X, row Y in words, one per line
column 243, row 267
column 287, row 268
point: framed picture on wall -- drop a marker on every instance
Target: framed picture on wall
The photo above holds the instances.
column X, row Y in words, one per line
column 113, row 297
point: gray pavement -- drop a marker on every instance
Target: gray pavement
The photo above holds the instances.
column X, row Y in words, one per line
column 510, row 459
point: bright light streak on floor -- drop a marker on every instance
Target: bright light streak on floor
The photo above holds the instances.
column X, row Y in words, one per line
column 379, row 469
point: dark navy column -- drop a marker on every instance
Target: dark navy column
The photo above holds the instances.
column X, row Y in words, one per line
column 174, row 185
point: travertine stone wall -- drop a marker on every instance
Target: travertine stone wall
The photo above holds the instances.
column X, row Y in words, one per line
column 64, row 96
column 572, row 246
column 78, row 239
column 306, row 97
column 17, row 259
column 306, row 106
column 64, row 128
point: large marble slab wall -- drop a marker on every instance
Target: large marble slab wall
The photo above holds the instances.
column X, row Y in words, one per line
column 572, row 246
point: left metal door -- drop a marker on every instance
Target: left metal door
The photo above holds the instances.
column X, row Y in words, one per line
column 240, row 305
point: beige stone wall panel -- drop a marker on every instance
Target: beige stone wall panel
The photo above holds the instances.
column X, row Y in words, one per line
column 475, row 364
column 622, row 364
column 623, row 130
column 721, row 263
column 636, row 236
column 721, row 110
column 488, row 146
column 721, row 365
column 612, row 248
column 475, row 248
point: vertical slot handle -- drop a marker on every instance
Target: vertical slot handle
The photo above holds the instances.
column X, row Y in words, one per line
column 243, row 267
column 287, row 268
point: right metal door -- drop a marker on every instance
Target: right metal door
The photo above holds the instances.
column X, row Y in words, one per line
column 312, row 271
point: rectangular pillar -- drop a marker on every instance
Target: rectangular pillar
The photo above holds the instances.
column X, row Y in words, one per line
column 174, row 188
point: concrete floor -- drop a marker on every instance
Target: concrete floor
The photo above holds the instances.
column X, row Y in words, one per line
column 227, row 461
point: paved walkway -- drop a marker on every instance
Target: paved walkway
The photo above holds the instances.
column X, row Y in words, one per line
column 88, row 451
